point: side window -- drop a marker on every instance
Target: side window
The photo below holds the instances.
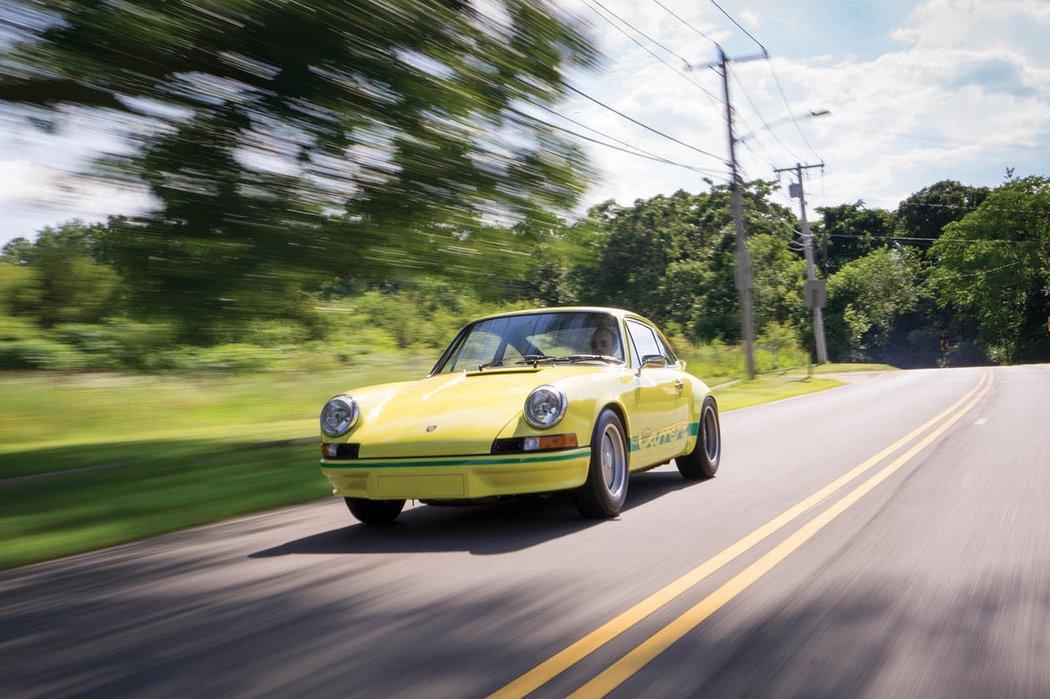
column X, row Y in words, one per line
column 665, row 348
column 644, row 340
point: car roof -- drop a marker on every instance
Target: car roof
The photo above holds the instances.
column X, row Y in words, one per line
column 619, row 313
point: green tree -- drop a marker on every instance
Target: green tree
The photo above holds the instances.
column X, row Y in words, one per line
column 926, row 213
column 850, row 231
column 559, row 258
column 671, row 258
column 921, row 218
column 779, row 281
column 16, row 252
column 251, row 121
column 66, row 284
column 866, row 297
column 993, row 268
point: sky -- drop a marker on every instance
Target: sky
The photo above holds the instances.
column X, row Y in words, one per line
column 916, row 92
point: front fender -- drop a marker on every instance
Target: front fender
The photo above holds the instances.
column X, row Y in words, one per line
column 700, row 392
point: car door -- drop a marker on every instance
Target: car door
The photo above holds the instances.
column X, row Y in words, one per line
column 660, row 425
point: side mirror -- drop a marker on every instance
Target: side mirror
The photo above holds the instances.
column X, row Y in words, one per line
column 653, row 361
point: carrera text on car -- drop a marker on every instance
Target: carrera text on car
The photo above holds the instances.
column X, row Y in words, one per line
column 559, row 399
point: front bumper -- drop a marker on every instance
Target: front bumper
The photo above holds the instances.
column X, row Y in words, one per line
column 453, row 478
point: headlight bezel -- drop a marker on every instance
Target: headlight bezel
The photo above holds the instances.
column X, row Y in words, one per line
column 347, row 423
column 555, row 396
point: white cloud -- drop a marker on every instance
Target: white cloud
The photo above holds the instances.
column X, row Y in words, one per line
column 40, row 183
column 33, row 195
column 967, row 95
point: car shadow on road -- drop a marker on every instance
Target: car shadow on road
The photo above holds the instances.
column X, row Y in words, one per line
column 487, row 529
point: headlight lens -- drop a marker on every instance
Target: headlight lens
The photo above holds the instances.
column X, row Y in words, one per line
column 545, row 407
column 338, row 415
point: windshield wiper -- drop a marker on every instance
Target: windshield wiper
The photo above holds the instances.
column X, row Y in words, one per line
column 488, row 365
column 591, row 357
column 534, row 359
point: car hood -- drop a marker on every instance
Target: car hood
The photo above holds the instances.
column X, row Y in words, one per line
column 445, row 415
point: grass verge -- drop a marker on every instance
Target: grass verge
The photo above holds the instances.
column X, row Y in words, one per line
column 169, row 490
column 766, row 389
column 150, row 458
column 44, row 409
column 833, row 368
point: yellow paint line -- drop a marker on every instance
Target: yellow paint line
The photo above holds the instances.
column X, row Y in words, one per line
column 564, row 659
column 634, row 661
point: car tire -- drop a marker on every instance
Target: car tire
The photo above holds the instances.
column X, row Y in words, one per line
column 702, row 462
column 374, row 511
column 603, row 493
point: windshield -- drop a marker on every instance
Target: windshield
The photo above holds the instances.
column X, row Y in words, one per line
column 536, row 338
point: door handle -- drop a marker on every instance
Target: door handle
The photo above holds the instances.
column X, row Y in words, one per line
column 678, row 385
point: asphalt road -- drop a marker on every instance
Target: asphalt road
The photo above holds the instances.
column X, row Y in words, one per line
column 890, row 538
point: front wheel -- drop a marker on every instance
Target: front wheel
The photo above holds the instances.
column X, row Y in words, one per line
column 702, row 462
column 374, row 511
column 605, row 490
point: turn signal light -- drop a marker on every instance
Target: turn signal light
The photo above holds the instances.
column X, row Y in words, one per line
column 553, row 441
column 340, row 451
column 516, row 445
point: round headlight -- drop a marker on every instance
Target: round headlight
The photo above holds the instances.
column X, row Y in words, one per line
column 545, row 407
column 338, row 415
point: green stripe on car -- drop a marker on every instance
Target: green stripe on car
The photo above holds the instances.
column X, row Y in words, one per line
column 546, row 457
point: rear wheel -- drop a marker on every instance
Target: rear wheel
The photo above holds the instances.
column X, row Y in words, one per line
column 702, row 462
column 605, row 490
column 374, row 511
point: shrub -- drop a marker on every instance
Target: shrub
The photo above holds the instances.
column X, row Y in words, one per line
column 17, row 329
column 41, row 354
column 232, row 357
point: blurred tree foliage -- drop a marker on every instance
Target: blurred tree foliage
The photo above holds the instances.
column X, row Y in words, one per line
column 926, row 213
column 992, row 270
column 63, row 281
column 285, row 142
column 980, row 293
column 671, row 259
column 866, row 297
column 850, row 231
column 16, row 251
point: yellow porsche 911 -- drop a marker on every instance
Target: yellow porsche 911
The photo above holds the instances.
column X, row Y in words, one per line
column 557, row 399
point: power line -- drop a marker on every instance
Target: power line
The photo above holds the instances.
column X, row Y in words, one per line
column 672, row 14
column 692, row 82
column 630, row 149
column 942, row 239
column 644, row 126
column 636, row 153
column 611, row 138
column 766, row 158
column 776, row 80
column 751, row 150
column 639, row 31
column 962, row 207
column 751, row 36
column 980, row 273
column 794, row 119
column 765, row 124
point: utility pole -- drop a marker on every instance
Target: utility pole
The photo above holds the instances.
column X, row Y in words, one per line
column 815, row 293
column 743, row 256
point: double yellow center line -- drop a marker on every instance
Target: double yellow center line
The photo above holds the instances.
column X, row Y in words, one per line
column 631, row 663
